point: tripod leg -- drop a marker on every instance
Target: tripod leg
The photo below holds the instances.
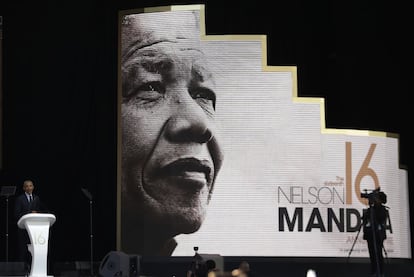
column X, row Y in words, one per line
column 355, row 240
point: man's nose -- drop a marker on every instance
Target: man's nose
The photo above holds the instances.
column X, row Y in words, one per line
column 189, row 122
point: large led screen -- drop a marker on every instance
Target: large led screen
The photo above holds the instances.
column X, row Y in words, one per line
column 217, row 150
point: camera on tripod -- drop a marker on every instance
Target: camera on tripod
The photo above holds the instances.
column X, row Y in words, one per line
column 376, row 196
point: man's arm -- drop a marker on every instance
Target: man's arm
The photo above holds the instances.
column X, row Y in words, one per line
column 18, row 208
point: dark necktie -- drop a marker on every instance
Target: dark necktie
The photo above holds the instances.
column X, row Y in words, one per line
column 30, row 199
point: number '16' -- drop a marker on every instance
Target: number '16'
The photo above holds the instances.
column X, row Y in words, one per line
column 39, row 238
column 364, row 171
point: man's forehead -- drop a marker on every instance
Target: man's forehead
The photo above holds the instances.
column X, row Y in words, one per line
column 141, row 30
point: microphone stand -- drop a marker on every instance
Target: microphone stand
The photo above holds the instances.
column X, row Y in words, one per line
column 7, row 229
column 89, row 196
column 7, row 191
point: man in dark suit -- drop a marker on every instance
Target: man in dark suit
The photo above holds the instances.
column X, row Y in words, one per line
column 27, row 202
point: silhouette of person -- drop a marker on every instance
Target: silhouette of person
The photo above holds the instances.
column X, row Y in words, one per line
column 374, row 221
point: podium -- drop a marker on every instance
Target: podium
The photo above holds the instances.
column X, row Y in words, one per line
column 37, row 226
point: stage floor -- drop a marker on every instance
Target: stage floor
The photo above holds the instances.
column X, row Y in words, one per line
column 261, row 266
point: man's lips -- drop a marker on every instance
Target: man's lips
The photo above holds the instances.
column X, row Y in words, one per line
column 188, row 168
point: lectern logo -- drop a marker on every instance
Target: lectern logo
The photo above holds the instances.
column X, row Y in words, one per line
column 39, row 238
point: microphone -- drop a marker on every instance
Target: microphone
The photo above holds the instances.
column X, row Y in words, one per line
column 87, row 193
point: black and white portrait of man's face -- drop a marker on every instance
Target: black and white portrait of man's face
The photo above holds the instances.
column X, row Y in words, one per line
column 170, row 155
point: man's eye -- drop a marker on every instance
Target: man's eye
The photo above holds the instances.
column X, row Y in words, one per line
column 145, row 93
column 148, row 92
column 151, row 87
column 205, row 95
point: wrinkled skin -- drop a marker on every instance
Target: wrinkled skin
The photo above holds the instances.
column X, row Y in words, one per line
column 170, row 151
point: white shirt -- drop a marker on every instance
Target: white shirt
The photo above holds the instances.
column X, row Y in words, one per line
column 28, row 196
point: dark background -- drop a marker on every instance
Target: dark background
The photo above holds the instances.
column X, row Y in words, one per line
column 60, row 92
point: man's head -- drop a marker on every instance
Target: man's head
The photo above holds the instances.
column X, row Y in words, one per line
column 244, row 266
column 28, row 186
column 170, row 152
